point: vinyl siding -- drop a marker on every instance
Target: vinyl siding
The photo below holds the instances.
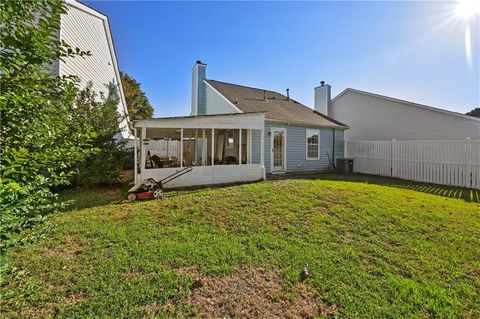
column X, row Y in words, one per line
column 296, row 147
column 216, row 104
column 256, row 146
column 202, row 94
column 374, row 118
column 88, row 32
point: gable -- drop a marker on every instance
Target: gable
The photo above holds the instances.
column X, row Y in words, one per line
column 216, row 103
column 88, row 30
column 373, row 117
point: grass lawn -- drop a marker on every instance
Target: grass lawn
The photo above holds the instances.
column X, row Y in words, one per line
column 375, row 248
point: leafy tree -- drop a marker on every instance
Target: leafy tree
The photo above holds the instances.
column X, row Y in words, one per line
column 101, row 113
column 475, row 112
column 137, row 102
column 39, row 142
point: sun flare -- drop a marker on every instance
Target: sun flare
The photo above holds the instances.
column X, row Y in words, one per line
column 468, row 8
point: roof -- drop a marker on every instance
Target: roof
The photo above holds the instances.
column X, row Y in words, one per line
column 277, row 107
column 413, row 104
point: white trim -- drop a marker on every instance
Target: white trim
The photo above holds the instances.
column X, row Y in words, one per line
column 181, row 147
column 221, row 121
column 212, row 151
column 240, row 147
column 222, row 96
column 142, row 150
column 303, row 124
column 135, row 156
column 306, row 145
column 249, row 147
column 413, row 104
column 284, row 130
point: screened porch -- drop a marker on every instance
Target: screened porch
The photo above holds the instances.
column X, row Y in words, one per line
column 220, row 148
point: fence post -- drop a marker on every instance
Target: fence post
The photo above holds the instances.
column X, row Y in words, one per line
column 468, row 160
column 392, row 158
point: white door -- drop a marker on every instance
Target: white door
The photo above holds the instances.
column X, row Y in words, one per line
column 278, row 150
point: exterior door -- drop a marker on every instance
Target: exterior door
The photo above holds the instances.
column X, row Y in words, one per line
column 278, row 150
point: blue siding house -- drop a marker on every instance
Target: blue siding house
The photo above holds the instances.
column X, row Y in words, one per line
column 297, row 137
column 237, row 133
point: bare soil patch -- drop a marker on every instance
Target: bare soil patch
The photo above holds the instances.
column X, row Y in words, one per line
column 69, row 249
column 254, row 292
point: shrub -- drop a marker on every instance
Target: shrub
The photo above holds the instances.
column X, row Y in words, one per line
column 40, row 145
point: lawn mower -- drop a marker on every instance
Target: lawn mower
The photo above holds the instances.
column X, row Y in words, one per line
column 150, row 188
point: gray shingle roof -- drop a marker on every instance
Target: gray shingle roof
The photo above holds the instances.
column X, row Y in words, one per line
column 277, row 107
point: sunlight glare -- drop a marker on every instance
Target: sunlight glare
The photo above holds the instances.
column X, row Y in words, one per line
column 468, row 8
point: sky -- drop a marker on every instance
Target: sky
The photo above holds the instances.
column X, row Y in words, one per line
column 416, row 51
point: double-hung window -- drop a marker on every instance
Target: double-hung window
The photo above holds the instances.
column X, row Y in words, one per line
column 313, row 144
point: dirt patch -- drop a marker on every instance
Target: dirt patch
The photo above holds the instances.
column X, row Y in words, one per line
column 68, row 249
column 254, row 292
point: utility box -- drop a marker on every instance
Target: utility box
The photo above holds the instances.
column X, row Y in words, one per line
column 344, row 165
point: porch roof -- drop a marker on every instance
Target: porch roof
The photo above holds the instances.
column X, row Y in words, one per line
column 253, row 120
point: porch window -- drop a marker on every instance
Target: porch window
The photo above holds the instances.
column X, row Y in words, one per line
column 227, row 147
column 313, row 144
column 162, row 148
column 196, row 147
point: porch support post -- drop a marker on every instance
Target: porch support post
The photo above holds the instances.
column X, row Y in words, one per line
column 213, row 146
column 204, row 148
column 181, row 147
column 135, row 159
column 240, row 147
column 195, row 146
column 142, row 149
column 262, row 151
column 249, row 146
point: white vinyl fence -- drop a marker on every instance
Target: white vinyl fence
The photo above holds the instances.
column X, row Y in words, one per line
column 455, row 163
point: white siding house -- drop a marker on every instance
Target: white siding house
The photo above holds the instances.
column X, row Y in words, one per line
column 88, row 29
column 374, row 117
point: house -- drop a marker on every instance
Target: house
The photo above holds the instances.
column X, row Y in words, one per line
column 374, row 117
column 88, row 29
column 237, row 133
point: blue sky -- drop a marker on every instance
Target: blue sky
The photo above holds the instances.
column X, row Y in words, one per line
column 409, row 50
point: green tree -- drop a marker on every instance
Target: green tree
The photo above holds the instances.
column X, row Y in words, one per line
column 39, row 142
column 101, row 113
column 137, row 102
column 475, row 112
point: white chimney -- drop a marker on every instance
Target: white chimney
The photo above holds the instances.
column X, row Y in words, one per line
column 322, row 98
column 199, row 73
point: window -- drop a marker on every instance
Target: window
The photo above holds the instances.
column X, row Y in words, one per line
column 313, row 144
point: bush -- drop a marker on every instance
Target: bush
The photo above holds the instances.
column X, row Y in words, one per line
column 101, row 114
column 40, row 141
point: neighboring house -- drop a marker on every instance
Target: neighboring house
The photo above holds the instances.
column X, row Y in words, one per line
column 88, row 29
column 237, row 133
column 376, row 117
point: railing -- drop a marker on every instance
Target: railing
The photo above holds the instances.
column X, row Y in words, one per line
column 455, row 163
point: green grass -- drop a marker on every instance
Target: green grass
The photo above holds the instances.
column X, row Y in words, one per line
column 376, row 248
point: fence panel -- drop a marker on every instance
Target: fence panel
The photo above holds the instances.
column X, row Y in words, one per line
column 455, row 163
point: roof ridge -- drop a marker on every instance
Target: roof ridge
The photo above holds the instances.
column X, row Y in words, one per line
column 244, row 86
column 411, row 103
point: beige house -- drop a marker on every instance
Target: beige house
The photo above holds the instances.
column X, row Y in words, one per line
column 373, row 117
column 88, row 29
